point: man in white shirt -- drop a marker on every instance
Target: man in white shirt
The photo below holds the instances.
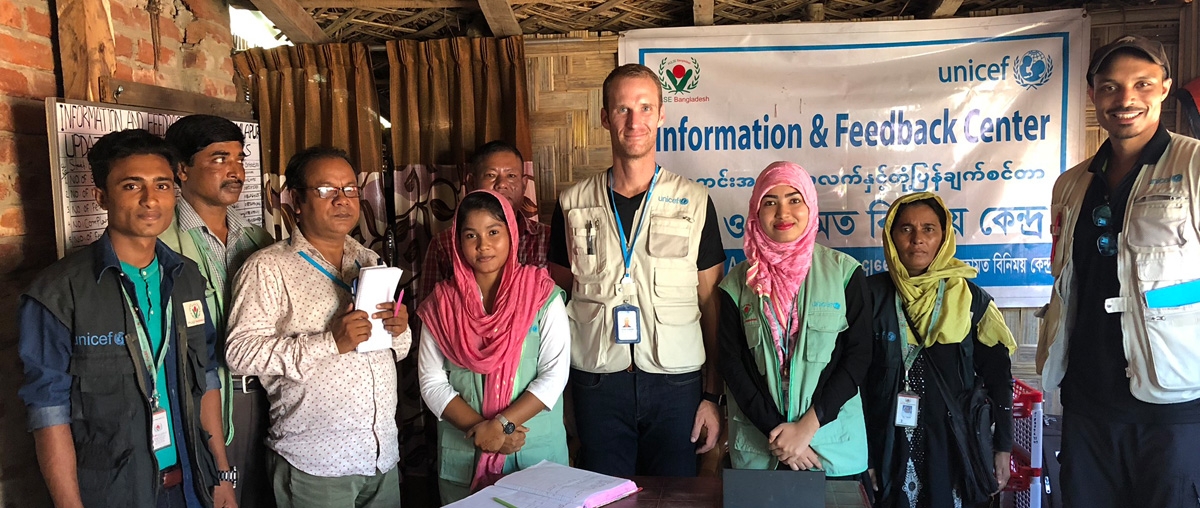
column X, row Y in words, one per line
column 333, row 438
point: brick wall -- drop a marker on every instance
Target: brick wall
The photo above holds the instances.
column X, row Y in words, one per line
column 193, row 55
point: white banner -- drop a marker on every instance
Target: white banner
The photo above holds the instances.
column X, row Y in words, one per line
column 986, row 112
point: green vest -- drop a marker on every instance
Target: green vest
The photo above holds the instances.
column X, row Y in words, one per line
column 546, row 439
column 193, row 248
column 821, row 302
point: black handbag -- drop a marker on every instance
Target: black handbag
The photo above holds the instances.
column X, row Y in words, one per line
column 970, row 423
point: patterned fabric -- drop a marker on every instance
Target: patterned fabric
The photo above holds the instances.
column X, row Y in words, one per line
column 331, row 414
column 535, row 239
column 229, row 259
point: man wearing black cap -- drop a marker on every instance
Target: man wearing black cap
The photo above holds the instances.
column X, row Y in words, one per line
column 1121, row 334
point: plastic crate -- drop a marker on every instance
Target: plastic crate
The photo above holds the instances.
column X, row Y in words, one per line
column 1026, row 463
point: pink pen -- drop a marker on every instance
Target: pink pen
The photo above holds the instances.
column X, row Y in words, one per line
column 396, row 307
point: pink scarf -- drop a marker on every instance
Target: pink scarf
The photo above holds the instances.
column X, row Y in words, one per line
column 488, row 344
column 778, row 270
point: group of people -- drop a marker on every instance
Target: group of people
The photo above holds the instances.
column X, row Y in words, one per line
column 265, row 400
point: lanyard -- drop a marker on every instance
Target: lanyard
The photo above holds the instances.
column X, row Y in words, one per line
column 783, row 356
column 627, row 245
column 322, row 269
column 143, row 342
column 785, row 340
column 209, row 260
column 910, row 355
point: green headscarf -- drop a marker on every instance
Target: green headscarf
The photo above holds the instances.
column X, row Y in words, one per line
column 919, row 293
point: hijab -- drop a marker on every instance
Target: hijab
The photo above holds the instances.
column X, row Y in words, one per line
column 777, row 270
column 918, row 294
column 488, row 344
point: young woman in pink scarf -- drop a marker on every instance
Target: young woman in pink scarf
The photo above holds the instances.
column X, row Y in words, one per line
column 795, row 338
column 495, row 354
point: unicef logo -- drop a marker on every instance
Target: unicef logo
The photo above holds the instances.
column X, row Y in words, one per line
column 1033, row 69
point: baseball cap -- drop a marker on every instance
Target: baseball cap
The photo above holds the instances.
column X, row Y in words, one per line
column 1152, row 49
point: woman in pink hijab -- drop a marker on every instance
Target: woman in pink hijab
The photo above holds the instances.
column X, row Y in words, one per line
column 795, row 338
column 495, row 354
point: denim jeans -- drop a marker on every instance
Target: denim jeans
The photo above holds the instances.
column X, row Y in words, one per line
column 636, row 423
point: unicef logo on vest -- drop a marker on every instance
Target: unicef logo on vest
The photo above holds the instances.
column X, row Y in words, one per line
column 674, row 201
column 104, row 339
column 1033, row 69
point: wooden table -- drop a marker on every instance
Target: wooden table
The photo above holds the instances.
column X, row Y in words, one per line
column 660, row 492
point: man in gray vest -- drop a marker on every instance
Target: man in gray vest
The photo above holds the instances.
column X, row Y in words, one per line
column 118, row 347
column 639, row 250
column 208, row 231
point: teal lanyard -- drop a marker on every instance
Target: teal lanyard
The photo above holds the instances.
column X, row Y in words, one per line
column 627, row 245
column 911, row 353
column 143, row 343
column 783, row 356
column 322, row 269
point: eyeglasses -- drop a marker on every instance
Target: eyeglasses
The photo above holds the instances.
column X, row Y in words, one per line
column 330, row 192
column 1107, row 242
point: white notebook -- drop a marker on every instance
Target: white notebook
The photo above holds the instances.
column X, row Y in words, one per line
column 376, row 285
column 551, row 485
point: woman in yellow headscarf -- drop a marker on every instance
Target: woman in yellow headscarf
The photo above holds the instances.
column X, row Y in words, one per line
column 929, row 319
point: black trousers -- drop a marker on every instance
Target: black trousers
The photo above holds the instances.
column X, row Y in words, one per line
column 247, row 452
column 1108, row 464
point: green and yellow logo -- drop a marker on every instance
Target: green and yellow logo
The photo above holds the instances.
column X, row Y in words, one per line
column 679, row 76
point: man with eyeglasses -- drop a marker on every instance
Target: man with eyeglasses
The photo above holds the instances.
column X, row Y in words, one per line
column 496, row 166
column 333, row 439
column 208, row 231
column 1121, row 334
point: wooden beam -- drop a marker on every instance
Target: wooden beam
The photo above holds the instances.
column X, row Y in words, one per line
column 702, row 12
column 500, row 18
column 87, row 49
column 943, row 8
column 128, row 93
column 401, row 4
column 293, row 21
column 601, row 9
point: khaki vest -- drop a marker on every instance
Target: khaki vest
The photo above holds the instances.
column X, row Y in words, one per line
column 663, row 270
column 546, row 439
column 841, row 443
column 1158, row 247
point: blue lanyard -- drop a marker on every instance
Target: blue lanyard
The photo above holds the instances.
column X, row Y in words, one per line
column 322, row 269
column 627, row 245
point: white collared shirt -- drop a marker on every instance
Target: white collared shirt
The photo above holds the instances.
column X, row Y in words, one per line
column 331, row 414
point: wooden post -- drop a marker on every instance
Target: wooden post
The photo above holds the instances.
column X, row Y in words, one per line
column 702, row 12
column 86, row 46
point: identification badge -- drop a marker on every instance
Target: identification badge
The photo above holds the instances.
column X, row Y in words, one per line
column 160, row 433
column 193, row 313
column 908, row 405
column 627, row 324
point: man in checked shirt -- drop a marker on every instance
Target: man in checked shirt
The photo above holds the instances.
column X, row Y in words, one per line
column 496, row 166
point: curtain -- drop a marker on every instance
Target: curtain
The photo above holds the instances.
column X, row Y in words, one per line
column 311, row 95
column 447, row 97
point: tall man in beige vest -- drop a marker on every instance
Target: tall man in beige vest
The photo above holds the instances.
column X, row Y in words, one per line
column 1121, row 335
column 639, row 250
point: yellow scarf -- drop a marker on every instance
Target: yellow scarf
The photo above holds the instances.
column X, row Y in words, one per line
column 919, row 294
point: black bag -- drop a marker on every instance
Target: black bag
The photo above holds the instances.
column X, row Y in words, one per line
column 970, row 423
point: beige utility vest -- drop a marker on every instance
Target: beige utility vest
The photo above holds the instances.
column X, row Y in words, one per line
column 663, row 269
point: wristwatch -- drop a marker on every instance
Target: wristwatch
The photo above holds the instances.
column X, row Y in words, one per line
column 509, row 427
column 230, row 476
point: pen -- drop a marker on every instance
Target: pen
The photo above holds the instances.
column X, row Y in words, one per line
column 503, row 503
column 397, row 304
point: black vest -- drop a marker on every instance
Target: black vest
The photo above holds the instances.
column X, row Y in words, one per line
column 110, row 409
column 885, row 379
